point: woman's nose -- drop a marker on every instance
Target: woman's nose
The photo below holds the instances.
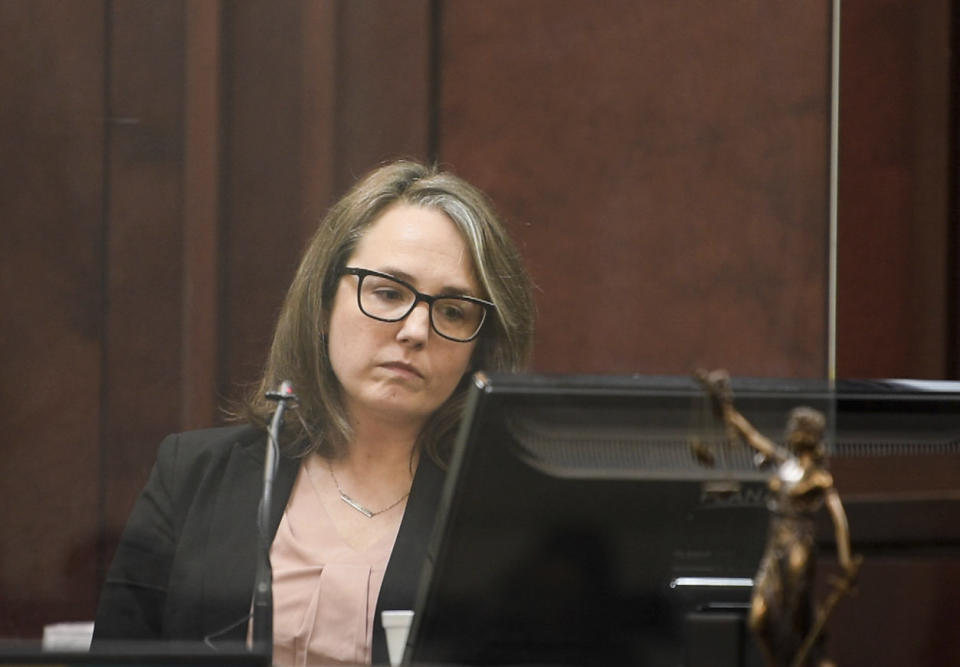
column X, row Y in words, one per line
column 416, row 325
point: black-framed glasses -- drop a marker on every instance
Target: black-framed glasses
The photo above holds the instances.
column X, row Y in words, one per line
column 389, row 299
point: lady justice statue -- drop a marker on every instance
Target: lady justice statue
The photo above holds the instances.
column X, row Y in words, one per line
column 781, row 615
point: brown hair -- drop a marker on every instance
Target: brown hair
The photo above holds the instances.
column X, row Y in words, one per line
column 299, row 351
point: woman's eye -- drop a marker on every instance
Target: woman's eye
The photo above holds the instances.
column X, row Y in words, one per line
column 388, row 294
column 452, row 313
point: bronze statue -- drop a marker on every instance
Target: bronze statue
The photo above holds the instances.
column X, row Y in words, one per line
column 781, row 609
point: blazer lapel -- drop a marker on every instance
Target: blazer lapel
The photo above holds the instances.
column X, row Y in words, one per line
column 231, row 556
column 402, row 577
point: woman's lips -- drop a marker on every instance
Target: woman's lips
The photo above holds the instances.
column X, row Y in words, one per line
column 403, row 367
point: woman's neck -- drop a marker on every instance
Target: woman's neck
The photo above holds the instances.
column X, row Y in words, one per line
column 376, row 469
column 380, row 449
column 378, row 438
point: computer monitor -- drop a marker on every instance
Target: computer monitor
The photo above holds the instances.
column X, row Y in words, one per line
column 131, row 652
column 580, row 525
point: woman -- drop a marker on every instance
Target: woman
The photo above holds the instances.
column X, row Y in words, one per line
column 409, row 284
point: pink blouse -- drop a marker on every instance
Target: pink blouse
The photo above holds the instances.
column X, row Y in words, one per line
column 324, row 591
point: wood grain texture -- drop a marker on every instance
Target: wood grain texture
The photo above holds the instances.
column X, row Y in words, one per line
column 895, row 295
column 51, row 330
column 201, row 217
column 383, row 85
column 664, row 166
column 263, row 226
column 144, row 244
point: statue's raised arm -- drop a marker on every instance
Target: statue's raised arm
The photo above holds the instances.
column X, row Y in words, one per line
column 717, row 385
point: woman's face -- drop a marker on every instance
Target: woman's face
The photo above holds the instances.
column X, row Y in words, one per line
column 401, row 371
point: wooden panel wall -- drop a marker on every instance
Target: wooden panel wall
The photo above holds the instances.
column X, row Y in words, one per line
column 143, row 153
column 267, row 134
column 665, row 167
column 662, row 164
column 52, row 346
column 898, row 221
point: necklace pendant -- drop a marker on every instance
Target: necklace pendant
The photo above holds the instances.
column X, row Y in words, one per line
column 355, row 505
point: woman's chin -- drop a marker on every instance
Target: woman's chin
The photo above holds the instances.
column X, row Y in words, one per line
column 398, row 407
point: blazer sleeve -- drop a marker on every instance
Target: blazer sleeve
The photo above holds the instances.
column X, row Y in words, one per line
column 133, row 596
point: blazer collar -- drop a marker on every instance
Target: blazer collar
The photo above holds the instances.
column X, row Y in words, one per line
column 232, row 540
column 287, row 467
column 402, row 577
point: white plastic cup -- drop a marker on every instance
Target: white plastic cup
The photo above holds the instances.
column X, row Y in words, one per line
column 67, row 637
column 397, row 626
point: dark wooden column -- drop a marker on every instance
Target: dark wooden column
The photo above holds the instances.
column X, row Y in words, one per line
column 384, row 85
column 51, row 330
column 144, row 158
column 201, row 207
column 897, row 264
column 314, row 95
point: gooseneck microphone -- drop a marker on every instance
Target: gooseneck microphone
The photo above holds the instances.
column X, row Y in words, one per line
column 260, row 630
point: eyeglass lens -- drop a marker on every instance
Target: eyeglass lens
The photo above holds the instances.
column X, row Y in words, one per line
column 387, row 299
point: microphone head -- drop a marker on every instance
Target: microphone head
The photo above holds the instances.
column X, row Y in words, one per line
column 283, row 393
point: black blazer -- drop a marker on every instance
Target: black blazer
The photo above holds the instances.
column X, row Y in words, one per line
column 186, row 561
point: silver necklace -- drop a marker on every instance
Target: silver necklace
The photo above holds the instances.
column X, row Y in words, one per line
column 357, row 506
